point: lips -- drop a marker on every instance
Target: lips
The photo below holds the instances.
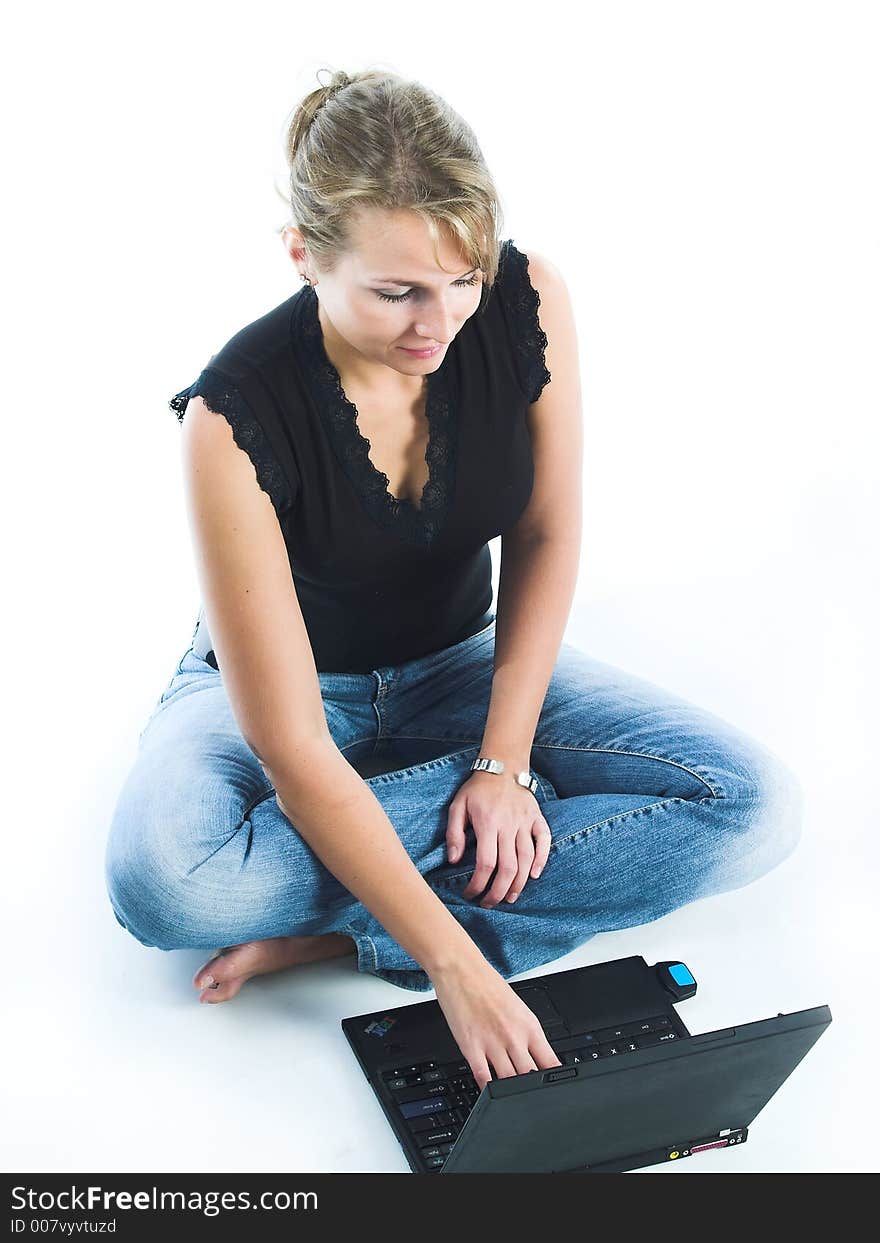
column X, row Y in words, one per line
column 422, row 350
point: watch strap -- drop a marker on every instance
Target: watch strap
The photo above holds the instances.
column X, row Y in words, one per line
column 481, row 765
column 525, row 778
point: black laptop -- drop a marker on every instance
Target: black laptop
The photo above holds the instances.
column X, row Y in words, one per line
column 635, row 1088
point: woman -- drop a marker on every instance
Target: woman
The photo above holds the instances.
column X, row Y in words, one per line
column 347, row 458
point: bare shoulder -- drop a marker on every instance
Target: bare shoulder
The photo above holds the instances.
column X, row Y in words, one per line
column 555, row 419
column 556, row 319
column 545, row 276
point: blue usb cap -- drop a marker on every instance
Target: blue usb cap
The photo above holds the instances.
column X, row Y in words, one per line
column 680, row 973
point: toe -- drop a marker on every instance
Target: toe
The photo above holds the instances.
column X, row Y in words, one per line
column 213, row 971
column 221, row 991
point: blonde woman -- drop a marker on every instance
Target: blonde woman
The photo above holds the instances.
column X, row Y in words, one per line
column 347, row 457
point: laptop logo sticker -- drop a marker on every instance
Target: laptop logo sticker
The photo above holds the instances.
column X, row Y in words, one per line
column 380, row 1027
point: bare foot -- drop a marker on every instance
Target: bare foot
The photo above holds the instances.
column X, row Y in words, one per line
column 222, row 977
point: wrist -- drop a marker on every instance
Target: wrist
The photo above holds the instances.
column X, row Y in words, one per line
column 459, row 975
column 457, row 958
column 514, row 759
column 498, row 768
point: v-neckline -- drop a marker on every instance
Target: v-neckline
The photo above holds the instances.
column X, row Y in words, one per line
column 420, row 523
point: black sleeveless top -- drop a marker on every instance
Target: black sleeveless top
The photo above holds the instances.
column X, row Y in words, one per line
column 381, row 581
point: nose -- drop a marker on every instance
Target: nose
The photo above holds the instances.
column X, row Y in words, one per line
column 437, row 325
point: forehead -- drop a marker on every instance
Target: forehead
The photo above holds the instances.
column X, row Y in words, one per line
column 397, row 243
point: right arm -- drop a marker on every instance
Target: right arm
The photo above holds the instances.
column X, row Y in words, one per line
column 269, row 673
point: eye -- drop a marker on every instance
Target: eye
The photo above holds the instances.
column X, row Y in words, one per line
column 402, row 297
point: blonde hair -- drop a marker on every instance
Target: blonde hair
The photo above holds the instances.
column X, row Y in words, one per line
column 375, row 140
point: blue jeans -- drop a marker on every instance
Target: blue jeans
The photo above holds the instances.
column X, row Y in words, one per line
column 651, row 802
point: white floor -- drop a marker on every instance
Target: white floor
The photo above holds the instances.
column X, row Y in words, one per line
column 112, row 1065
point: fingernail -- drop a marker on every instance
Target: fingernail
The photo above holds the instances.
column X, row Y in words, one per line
column 207, row 981
column 513, row 897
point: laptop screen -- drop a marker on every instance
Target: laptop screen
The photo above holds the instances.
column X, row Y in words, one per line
column 614, row 1108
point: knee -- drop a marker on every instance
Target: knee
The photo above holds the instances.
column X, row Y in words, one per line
column 763, row 812
column 154, row 850
column 143, row 889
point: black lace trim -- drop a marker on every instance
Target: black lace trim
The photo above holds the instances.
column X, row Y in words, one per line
column 531, row 340
column 223, row 397
column 416, row 524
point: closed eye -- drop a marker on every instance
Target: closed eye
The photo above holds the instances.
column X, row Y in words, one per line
column 402, row 297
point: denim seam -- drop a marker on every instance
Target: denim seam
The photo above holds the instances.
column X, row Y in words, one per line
column 440, row 759
column 250, row 807
column 359, row 937
column 348, row 746
column 552, row 746
column 174, row 675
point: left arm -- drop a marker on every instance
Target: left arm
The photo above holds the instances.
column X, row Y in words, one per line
column 540, row 555
column 539, row 567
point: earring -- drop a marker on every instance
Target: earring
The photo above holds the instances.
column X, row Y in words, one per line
column 303, row 277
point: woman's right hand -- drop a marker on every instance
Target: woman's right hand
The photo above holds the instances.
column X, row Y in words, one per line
column 491, row 1024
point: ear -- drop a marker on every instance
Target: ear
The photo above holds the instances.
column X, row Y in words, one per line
column 294, row 243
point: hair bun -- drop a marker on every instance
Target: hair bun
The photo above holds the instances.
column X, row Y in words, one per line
column 339, row 78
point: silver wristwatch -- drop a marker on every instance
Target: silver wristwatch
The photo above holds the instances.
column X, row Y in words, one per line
column 524, row 778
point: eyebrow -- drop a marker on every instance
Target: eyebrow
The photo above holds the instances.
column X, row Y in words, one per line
column 394, row 280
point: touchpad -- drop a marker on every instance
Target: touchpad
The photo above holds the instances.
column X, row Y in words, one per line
column 541, row 1004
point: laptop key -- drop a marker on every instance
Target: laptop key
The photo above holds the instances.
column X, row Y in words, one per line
column 417, row 1125
column 421, row 1092
column 417, row 1109
column 646, row 1042
column 438, row 1150
column 635, row 1029
column 609, row 1034
column 435, row 1163
column 393, row 1084
column 437, row 1137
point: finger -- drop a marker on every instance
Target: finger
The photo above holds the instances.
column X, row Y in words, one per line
column 455, row 831
column 542, row 1051
column 501, row 1063
column 543, row 839
column 507, row 868
column 523, row 1062
column 525, row 853
column 487, row 857
column 480, row 1070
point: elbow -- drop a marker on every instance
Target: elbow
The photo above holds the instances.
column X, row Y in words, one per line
column 283, row 759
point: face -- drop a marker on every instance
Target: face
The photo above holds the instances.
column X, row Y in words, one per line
column 388, row 304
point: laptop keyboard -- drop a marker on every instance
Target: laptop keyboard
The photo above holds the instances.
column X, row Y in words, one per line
column 434, row 1098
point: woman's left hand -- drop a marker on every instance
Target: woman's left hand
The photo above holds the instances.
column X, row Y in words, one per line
column 511, row 834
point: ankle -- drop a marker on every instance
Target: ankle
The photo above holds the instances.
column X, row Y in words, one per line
column 331, row 945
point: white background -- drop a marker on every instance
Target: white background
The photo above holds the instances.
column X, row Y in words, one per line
column 705, row 177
